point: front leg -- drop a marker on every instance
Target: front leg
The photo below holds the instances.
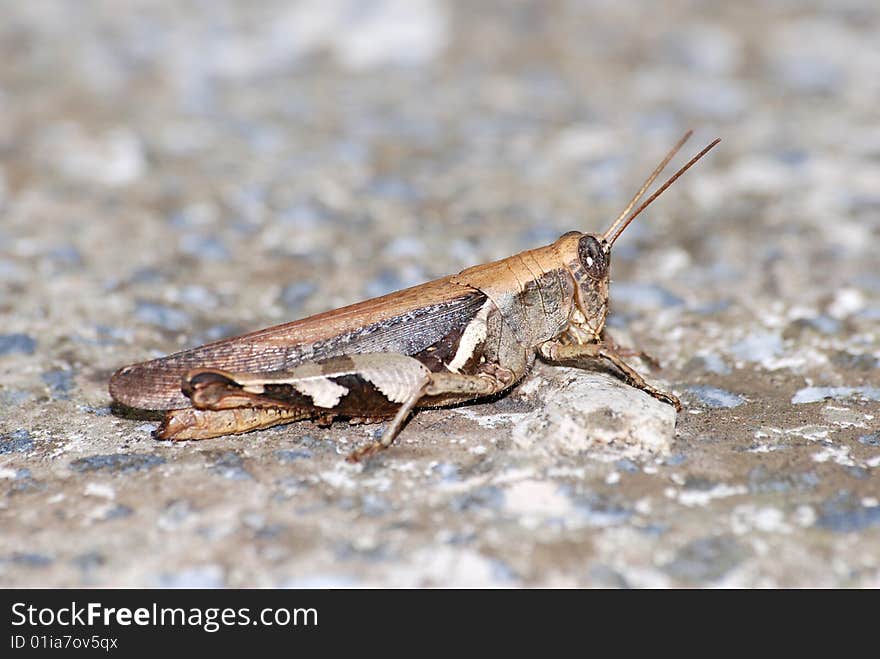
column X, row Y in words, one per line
column 553, row 351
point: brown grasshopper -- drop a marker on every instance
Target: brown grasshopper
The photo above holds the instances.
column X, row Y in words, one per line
column 451, row 340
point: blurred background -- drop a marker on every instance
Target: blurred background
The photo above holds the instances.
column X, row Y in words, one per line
column 176, row 172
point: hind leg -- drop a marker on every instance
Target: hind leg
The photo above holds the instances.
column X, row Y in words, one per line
column 191, row 423
column 435, row 384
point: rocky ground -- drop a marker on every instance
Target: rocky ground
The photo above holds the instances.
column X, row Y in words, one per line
column 171, row 173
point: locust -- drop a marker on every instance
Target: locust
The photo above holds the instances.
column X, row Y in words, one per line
column 457, row 339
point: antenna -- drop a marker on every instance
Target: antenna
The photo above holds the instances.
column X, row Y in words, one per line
column 620, row 224
column 654, row 175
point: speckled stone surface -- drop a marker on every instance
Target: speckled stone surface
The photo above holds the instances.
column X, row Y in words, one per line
column 172, row 173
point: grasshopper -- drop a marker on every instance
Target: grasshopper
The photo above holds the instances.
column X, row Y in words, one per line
column 456, row 339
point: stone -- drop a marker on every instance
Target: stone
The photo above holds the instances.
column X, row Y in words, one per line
column 593, row 414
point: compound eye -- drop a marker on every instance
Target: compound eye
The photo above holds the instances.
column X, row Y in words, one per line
column 592, row 257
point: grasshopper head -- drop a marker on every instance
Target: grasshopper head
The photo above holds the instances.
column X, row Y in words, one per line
column 588, row 256
column 588, row 259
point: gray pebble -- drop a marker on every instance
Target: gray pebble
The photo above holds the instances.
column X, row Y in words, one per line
column 26, row 484
column 10, row 397
column 270, row 531
column 198, row 296
column 405, row 247
column 628, row 466
column 176, row 512
column 490, row 497
column 843, row 513
column 815, row 394
column 854, row 361
column 214, row 333
column 88, row 561
column 316, row 444
column 706, row 560
column 395, row 189
column 809, row 74
column 714, row 397
column 373, row 505
column 18, row 441
column 699, row 484
column 293, row 295
column 119, row 511
column 653, row 530
column 60, row 382
column 148, row 275
column 824, row 324
column 229, row 464
column 605, row 576
column 870, row 313
column 163, row 316
column 209, row 248
column 304, row 216
column 205, row 576
column 11, row 343
column 857, row 472
column 643, row 296
column 10, row 271
column 97, row 411
column 390, row 280
column 717, row 100
column 501, row 571
column 711, row 363
column 757, row 347
column 289, row 486
column 65, row 257
column 533, row 236
column 711, row 308
column 320, row 581
column 286, row 456
column 348, row 551
column 761, row 480
column 447, row 471
column 29, row 559
column 117, row 462
column 599, row 510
